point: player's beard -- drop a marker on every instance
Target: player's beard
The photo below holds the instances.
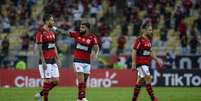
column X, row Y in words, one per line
column 50, row 26
column 149, row 35
column 82, row 32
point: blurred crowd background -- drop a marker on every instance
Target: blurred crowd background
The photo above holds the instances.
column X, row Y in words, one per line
column 116, row 23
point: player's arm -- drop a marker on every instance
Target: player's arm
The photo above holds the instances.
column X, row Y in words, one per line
column 95, row 50
column 136, row 47
column 133, row 58
column 39, row 41
column 153, row 56
column 60, row 31
column 41, row 56
column 57, row 58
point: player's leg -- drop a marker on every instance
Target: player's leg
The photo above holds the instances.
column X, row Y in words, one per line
column 139, row 83
column 81, row 81
column 137, row 88
column 86, row 68
column 81, row 85
column 148, row 81
column 54, row 75
column 86, row 76
column 46, row 75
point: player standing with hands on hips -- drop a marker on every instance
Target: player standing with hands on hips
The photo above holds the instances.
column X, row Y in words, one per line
column 86, row 48
column 141, row 58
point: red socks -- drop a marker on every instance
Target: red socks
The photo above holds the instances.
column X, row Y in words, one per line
column 53, row 84
column 136, row 92
column 150, row 91
column 47, row 86
column 82, row 89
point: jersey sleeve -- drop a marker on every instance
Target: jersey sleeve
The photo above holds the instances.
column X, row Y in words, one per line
column 38, row 37
column 95, row 40
column 73, row 34
column 137, row 44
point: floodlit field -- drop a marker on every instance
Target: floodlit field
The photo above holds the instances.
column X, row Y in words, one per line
column 103, row 94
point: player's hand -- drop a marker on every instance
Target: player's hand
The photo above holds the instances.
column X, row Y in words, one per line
column 133, row 68
column 59, row 63
column 44, row 66
column 159, row 63
column 94, row 56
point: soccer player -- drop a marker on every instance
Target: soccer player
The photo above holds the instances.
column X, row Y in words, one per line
column 141, row 58
column 85, row 49
column 49, row 59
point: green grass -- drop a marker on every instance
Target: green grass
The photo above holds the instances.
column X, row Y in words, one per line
column 103, row 94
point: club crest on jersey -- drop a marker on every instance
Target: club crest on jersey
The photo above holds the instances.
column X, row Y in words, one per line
column 83, row 39
column 88, row 41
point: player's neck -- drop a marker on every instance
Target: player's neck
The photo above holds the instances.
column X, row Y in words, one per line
column 46, row 27
column 144, row 36
column 87, row 33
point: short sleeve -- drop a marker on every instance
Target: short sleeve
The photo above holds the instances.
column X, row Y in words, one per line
column 74, row 34
column 94, row 40
column 38, row 37
column 137, row 44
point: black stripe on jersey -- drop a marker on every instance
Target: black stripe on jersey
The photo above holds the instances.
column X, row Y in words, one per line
column 139, row 65
column 82, row 60
column 45, row 45
column 48, row 61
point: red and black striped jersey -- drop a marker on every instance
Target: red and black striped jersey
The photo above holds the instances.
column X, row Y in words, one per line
column 83, row 47
column 47, row 39
column 143, row 51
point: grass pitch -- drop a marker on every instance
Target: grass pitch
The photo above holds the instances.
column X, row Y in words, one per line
column 103, row 94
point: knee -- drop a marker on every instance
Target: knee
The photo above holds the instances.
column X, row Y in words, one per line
column 55, row 83
column 148, row 79
column 80, row 77
column 140, row 80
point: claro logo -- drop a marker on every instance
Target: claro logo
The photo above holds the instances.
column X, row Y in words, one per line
column 25, row 81
column 106, row 81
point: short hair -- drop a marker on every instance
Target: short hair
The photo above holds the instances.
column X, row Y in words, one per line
column 46, row 17
column 86, row 24
column 145, row 25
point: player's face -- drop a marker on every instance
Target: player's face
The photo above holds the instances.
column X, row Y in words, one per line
column 149, row 32
column 83, row 29
column 51, row 22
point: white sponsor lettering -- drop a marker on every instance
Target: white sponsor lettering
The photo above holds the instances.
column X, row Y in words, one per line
column 187, row 76
column 196, row 80
column 186, row 61
column 52, row 45
column 155, row 77
column 145, row 52
column 178, row 80
column 167, row 76
column 25, row 81
column 186, row 79
column 106, row 82
column 79, row 46
column 199, row 62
